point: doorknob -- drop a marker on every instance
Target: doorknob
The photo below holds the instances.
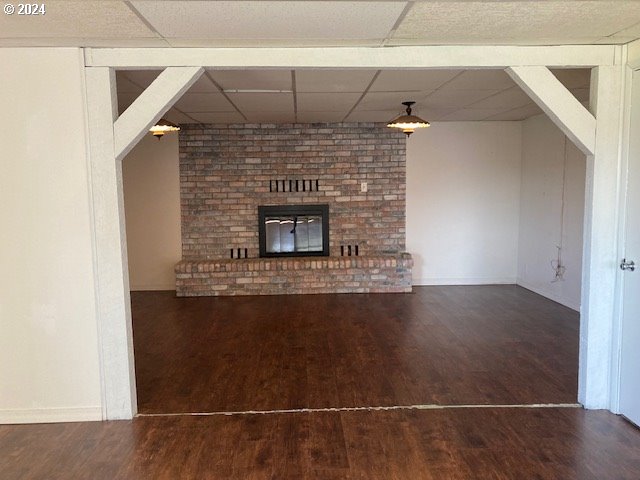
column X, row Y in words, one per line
column 630, row 265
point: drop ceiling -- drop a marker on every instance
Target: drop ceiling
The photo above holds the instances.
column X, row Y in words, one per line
column 323, row 23
column 328, row 96
column 310, row 96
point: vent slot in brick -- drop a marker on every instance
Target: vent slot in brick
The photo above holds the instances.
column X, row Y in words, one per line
column 239, row 252
column 349, row 250
column 291, row 185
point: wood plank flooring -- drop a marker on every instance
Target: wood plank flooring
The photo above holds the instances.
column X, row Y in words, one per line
column 481, row 443
column 440, row 345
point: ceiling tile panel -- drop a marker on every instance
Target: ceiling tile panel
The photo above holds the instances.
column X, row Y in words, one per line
column 272, row 19
column 217, row 117
column 263, row 102
column 390, row 101
column 77, row 19
column 178, row 117
column 468, row 114
column 517, row 22
column 519, row 113
column 582, row 94
column 615, row 40
column 481, row 80
column 252, row 79
column 411, row 80
column 507, row 99
column 204, row 102
column 125, row 100
column 203, row 85
column 333, row 80
column 633, row 31
column 327, row 102
column 140, row 78
column 124, row 85
column 446, row 98
column 270, row 117
column 431, row 114
column 573, row 77
column 372, row 115
column 320, row 117
column 143, row 78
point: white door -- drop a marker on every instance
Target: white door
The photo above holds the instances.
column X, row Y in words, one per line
column 630, row 357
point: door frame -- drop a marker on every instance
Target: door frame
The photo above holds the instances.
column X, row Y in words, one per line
column 597, row 131
column 632, row 57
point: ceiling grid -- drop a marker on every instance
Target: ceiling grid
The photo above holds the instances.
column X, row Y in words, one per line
column 337, row 95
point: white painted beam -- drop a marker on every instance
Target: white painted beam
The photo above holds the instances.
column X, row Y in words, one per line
column 633, row 55
column 437, row 57
column 575, row 121
column 149, row 107
column 600, row 252
column 110, row 250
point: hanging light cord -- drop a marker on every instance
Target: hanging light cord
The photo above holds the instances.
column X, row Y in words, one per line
column 557, row 264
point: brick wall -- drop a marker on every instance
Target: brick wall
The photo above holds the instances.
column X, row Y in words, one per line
column 226, row 170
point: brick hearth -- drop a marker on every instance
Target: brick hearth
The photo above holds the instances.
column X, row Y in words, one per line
column 276, row 276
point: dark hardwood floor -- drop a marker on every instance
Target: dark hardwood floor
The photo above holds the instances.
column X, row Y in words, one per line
column 439, row 345
column 478, row 443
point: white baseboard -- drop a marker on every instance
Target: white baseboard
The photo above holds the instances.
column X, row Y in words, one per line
column 550, row 295
column 432, row 281
column 152, row 288
column 51, row 415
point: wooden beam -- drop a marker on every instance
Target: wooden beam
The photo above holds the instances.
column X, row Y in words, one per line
column 600, row 270
column 111, row 272
column 575, row 121
column 149, row 107
column 423, row 57
column 633, row 55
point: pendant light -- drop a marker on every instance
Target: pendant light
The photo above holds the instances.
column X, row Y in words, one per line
column 163, row 126
column 408, row 123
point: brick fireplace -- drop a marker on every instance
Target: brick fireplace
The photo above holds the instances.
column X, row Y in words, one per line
column 357, row 171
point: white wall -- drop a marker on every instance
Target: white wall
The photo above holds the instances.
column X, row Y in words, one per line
column 542, row 227
column 463, row 196
column 152, row 209
column 49, row 368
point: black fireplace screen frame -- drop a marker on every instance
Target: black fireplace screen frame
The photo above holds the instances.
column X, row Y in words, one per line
column 293, row 210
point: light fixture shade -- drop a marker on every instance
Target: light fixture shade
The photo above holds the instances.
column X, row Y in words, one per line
column 163, row 126
column 408, row 123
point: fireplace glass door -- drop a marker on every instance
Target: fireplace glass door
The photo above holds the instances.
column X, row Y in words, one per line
column 294, row 234
column 285, row 231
